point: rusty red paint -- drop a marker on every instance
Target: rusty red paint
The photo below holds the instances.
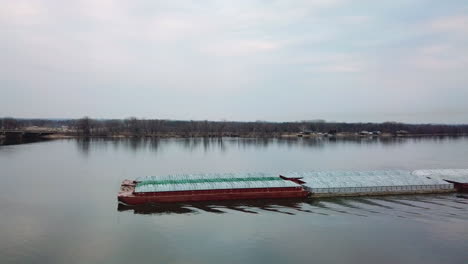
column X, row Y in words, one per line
column 128, row 196
column 459, row 186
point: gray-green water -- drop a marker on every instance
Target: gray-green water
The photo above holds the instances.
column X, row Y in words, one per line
column 58, row 204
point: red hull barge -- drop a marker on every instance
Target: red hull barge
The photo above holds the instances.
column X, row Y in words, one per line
column 127, row 194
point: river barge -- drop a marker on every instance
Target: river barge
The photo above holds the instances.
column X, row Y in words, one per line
column 208, row 187
column 230, row 186
column 370, row 183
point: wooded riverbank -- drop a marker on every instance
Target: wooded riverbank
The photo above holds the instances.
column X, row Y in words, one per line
column 133, row 127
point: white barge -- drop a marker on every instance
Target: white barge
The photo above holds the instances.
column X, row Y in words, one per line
column 382, row 182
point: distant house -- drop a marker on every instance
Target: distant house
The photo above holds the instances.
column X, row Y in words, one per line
column 304, row 133
column 365, row 133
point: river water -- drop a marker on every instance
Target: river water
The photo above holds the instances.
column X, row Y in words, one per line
column 58, row 204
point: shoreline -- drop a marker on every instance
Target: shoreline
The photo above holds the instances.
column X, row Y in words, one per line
column 286, row 136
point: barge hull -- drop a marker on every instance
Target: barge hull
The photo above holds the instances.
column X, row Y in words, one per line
column 130, row 198
column 138, row 200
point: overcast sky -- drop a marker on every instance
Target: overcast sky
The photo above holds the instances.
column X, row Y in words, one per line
column 339, row 60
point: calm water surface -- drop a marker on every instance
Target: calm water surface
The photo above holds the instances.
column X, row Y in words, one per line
column 58, row 204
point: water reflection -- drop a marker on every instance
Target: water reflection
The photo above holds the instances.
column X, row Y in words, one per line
column 224, row 144
column 13, row 141
column 83, row 145
column 58, row 203
column 282, row 206
column 407, row 206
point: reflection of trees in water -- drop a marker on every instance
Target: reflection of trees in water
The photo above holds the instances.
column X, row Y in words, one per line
column 265, row 142
column 83, row 145
column 390, row 141
column 153, row 144
column 208, row 144
column 18, row 141
column 135, row 143
column 190, row 143
column 220, row 144
column 438, row 138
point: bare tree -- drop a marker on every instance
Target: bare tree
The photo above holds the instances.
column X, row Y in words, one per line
column 84, row 126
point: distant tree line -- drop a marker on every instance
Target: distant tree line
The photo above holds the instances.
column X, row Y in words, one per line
column 157, row 127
